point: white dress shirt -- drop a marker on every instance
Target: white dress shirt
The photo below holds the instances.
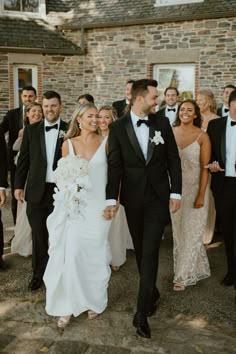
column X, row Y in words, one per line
column 230, row 149
column 225, row 111
column 50, row 141
column 171, row 115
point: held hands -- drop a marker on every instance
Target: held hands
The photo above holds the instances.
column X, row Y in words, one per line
column 110, row 212
column 174, row 205
column 214, row 167
column 19, row 195
column 2, row 197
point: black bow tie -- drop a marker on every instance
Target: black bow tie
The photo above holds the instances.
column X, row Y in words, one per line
column 171, row 109
column 233, row 123
column 226, row 110
column 49, row 127
column 143, row 121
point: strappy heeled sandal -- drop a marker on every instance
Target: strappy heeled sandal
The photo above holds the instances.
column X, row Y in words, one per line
column 92, row 315
column 63, row 321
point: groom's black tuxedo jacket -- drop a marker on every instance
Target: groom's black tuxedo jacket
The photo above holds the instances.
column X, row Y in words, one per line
column 3, row 161
column 126, row 163
column 32, row 161
column 217, row 133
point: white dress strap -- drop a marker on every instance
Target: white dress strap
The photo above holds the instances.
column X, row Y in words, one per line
column 70, row 146
column 200, row 135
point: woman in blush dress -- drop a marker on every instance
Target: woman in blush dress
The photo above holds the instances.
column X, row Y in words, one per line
column 78, row 270
column 207, row 104
column 22, row 241
column 119, row 235
column 190, row 221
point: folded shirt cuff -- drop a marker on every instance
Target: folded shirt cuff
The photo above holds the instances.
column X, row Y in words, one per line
column 175, row 196
column 110, row 202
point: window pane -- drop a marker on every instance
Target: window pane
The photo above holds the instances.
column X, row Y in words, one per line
column 24, row 79
column 12, row 5
column 30, row 5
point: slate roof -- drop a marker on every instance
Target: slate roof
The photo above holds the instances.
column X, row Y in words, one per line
column 102, row 13
column 25, row 34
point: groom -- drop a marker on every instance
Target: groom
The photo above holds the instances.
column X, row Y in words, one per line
column 144, row 169
column 40, row 151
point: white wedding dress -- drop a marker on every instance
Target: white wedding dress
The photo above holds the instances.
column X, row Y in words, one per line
column 78, row 270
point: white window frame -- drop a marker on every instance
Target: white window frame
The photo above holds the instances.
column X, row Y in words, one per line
column 187, row 83
column 175, row 2
column 40, row 14
column 16, row 80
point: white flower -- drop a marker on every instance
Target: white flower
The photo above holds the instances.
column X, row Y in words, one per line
column 157, row 139
column 61, row 134
column 72, row 180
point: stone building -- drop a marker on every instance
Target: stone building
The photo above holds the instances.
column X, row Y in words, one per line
column 94, row 46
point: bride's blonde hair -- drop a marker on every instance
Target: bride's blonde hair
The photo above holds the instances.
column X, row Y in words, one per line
column 74, row 129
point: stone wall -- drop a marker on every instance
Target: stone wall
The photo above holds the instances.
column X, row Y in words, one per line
column 117, row 54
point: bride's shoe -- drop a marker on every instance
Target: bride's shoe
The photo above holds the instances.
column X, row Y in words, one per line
column 92, row 315
column 179, row 287
column 63, row 321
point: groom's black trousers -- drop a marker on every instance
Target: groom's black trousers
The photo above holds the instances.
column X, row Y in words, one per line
column 37, row 214
column 146, row 224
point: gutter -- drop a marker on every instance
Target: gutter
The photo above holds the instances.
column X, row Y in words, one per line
column 57, row 51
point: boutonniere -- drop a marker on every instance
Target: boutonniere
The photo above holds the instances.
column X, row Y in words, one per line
column 61, row 134
column 157, row 139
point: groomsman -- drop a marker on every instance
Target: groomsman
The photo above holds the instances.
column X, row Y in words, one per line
column 144, row 171
column 3, row 185
column 12, row 123
column 171, row 97
column 223, row 110
column 40, row 151
column 222, row 133
column 121, row 106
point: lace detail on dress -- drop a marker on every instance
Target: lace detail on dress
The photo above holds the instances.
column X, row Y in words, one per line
column 189, row 224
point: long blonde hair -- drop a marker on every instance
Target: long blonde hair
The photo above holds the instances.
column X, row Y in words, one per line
column 74, row 129
column 210, row 96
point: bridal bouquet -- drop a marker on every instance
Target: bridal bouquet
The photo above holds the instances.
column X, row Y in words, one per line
column 72, row 180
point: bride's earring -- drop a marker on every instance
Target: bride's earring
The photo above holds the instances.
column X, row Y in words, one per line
column 80, row 125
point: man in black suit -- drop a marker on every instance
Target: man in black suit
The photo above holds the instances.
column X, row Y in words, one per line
column 3, row 186
column 121, row 106
column 12, row 123
column 40, row 151
column 171, row 97
column 223, row 110
column 144, row 169
column 222, row 133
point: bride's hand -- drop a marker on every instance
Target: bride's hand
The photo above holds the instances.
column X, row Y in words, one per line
column 199, row 202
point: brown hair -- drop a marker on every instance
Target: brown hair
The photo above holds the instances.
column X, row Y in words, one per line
column 28, row 108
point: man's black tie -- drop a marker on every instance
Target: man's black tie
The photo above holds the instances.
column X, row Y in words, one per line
column 143, row 121
column 171, row 109
column 233, row 123
column 49, row 127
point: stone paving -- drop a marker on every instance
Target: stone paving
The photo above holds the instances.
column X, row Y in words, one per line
column 200, row 319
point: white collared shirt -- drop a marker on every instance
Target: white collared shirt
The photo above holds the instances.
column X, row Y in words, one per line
column 171, row 115
column 142, row 132
column 230, row 149
column 225, row 113
column 50, row 143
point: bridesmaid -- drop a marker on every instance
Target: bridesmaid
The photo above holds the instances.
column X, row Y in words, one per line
column 207, row 104
column 119, row 236
column 22, row 241
column 189, row 222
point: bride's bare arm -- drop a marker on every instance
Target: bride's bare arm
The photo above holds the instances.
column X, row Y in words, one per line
column 65, row 149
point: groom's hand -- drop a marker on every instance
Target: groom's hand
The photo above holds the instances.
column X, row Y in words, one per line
column 19, row 195
column 109, row 212
column 174, row 205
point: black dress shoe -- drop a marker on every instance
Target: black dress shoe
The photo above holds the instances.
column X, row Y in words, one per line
column 154, row 308
column 228, row 280
column 141, row 323
column 2, row 264
column 35, row 284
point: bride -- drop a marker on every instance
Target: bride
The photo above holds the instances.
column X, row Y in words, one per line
column 78, row 271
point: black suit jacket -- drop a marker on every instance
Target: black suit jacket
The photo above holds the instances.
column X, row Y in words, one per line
column 3, row 161
column 217, row 133
column 161, row 113
column 126, row 163
column 32, row 161
column 12, row 123
column 120, row 107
